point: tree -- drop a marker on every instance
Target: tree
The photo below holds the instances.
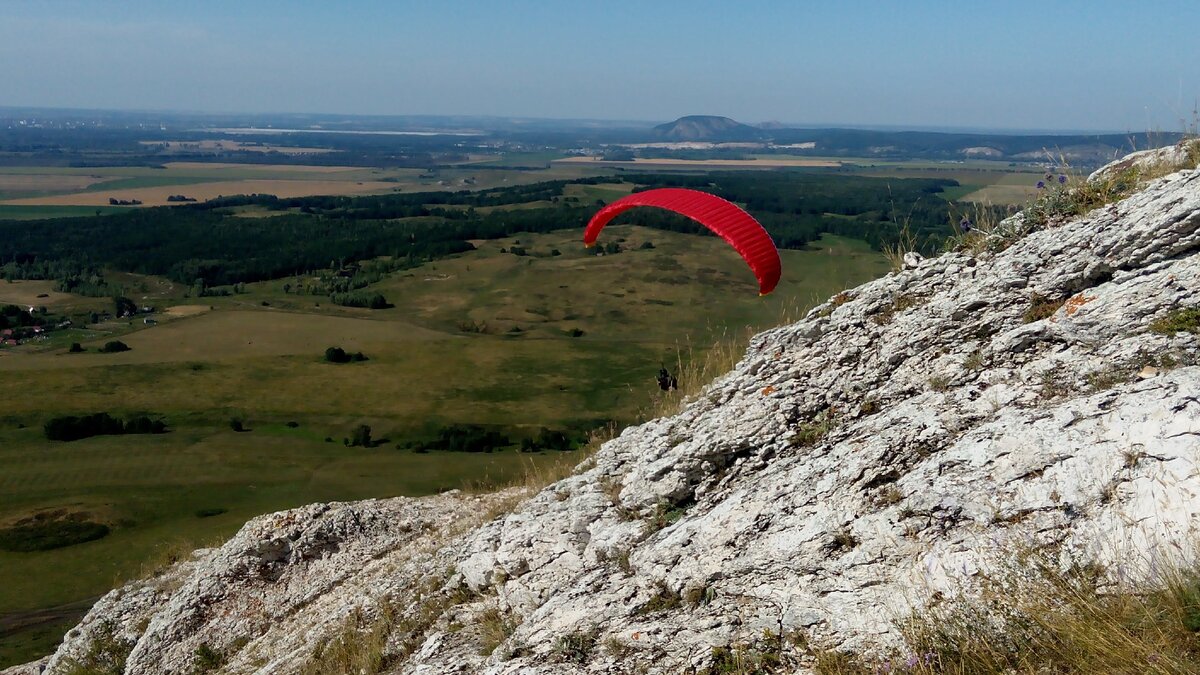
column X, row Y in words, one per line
column 361, row 436
column 75, row 348
column 124, row 306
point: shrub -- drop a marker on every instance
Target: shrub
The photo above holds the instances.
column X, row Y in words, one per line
column 75, row 348
column 73, row 428
column 207, row 659
column 209, row 513
column 361, row 436
column 339, row 355
column 237, row 424
column 42, row 534
column 468, row 438
column 114, row 346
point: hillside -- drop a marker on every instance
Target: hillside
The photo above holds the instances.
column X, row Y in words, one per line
column 1028, row 396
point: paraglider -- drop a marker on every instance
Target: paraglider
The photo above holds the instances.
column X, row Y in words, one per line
column 724, row 218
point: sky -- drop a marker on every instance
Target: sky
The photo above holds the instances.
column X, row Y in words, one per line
column 1110, row 65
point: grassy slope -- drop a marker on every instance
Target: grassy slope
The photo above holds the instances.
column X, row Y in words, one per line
column 636, row 308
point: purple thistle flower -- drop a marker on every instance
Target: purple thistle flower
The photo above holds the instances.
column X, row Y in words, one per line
column 1041, row 184
column 912, row 661
column 928, row 658
column 965, row 224
column 1061, row 179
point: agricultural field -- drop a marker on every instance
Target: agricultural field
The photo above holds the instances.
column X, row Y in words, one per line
column 979, row 181
column 70, row 191
column 553, row 337
column 654, row 164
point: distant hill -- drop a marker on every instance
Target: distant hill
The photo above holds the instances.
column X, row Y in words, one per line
column 707, row 128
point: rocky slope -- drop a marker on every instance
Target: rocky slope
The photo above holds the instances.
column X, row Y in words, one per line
column 902, row 438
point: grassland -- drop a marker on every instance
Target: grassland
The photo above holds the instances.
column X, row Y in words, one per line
column 483, row 338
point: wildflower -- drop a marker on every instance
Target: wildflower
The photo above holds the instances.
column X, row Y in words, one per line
column 1049, row 176
column 1061, row 179
column 965, row 224
column 1041, row 184
column 912, row 661
column 928, row 658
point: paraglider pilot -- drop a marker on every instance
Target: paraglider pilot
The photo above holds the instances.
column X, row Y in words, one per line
column 666, row 381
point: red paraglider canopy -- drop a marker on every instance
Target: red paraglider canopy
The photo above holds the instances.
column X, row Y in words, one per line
column 724, row 218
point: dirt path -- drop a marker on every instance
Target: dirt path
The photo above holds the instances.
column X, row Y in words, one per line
column 17, row 622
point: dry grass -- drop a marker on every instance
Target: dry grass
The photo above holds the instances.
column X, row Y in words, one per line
column 1036, row 616
column 1041, row 307
column 494, row 628
column 360, row 645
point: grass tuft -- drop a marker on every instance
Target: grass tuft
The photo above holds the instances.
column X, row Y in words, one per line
column 576, row 647
column 1183, row 320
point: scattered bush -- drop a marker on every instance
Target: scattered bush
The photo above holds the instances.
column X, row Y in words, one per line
column 468, row 438
column 113, row 347
column 237, row 424
column 339, row 355
column 72, row 428
column 44, row 533
column 547, row 440
column 361, row 437
column 75, row 348
column 209, row 513
column 206, row 659
column 369, row 301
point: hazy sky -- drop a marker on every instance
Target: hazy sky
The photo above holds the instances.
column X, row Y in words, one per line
column 1100, row 64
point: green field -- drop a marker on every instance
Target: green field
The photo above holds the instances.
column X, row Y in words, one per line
column 482, row 338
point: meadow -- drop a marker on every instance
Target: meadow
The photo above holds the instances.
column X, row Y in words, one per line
column 512, row 342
